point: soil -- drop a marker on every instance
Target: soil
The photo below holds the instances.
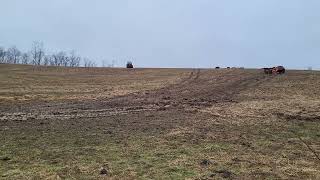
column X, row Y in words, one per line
column 243, row 120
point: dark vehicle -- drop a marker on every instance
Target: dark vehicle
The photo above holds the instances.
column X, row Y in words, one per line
column 274, row 70
column 129, row 64
column 279, row 70
column 267, row 70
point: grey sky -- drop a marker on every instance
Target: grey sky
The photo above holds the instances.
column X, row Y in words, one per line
column 170, row 33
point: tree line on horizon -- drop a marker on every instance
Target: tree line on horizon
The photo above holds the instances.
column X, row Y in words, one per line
column 38, row 57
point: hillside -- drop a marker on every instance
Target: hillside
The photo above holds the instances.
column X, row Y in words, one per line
column 158, row 123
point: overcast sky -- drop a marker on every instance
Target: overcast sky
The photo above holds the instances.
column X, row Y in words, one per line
column 170, row 33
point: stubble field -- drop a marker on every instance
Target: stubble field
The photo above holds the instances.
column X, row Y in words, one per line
column 69, row 123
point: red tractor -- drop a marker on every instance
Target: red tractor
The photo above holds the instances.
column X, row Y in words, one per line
column 275, row 70
column 278, row 70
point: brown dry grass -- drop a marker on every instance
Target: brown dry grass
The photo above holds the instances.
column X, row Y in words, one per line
column 158, row 124
column 23, row 82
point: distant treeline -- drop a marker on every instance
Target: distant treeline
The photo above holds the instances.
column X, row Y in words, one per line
column 37, row 56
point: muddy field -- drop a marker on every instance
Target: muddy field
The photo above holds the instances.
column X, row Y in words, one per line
column 64, row 123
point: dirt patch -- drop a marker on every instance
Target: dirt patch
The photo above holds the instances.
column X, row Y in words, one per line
column 222, row 173
column 299, row 117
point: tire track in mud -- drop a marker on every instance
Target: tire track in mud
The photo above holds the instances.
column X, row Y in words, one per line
column 194, row 74
column 203, row 92
column 197, row 74
column 200, row 89
column 71, row 114
column 159, row 99
column 88, row 109
column 196, row 91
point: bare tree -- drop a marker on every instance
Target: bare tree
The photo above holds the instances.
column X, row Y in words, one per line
column 52, row 61
column 25, row 58
column 47, row 60
column 37, row 56
column 74, row 60
column 13, row 55
column 59, row 58
column 103, row 63
column 37, row 53
column 88, row 63
column 2, row 55
column 113, row 62
column 66, row 61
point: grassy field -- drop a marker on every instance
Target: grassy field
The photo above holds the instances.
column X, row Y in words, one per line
column 69, row 123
